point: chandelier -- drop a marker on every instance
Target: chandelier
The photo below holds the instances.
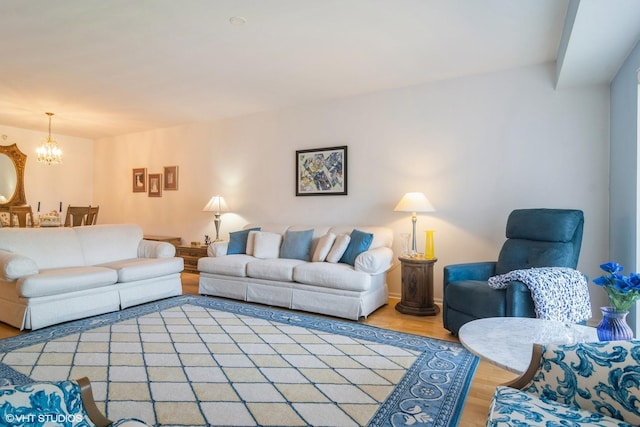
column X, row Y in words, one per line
column 49, row 152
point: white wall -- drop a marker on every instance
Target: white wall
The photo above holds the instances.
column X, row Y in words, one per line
column 624, row 169
column 477, row 146
column 70, row 182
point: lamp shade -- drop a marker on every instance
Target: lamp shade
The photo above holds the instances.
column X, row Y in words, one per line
column 216, row 204
column 414, row 202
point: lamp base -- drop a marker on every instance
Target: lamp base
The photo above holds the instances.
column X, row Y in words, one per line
column 414, row 246
column 217, row 222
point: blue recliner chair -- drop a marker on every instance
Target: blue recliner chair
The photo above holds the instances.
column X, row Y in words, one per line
column 535, row 238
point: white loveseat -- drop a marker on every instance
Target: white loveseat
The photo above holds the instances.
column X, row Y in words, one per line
column 264, row 274
column 52, row 275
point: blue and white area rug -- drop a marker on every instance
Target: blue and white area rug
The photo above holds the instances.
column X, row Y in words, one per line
column 194, row 360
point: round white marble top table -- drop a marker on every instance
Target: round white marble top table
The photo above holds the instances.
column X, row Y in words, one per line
column 508, row 341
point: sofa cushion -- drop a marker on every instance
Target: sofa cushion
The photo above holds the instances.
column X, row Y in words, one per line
column 266, row 245
column 130, row 270
column 63, row 248
column 230, row 265
column 273, row 269
column 335, row 276
column 515, row 407
column 297, row 245
column 323, row 247
column 109, row 242
column 359, row 242
column 60, row 280
column 338, row 248
column 238, row 241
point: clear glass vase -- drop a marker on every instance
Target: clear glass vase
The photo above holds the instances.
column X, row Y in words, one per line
column 613, row 326
column 404, row 237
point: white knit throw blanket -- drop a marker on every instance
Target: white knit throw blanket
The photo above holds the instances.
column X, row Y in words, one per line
column 558, row 293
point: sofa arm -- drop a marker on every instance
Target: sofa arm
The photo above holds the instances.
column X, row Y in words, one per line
column 217, row 249
column 154, row 249
column 469, row 271
column 374, row 261
column 14, row 266
column 599, row 377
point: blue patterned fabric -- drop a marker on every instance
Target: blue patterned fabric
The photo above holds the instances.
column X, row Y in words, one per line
column 48, row 404
column 596, row 383
column 513, row 407
column 43, row 404
column 558, row 293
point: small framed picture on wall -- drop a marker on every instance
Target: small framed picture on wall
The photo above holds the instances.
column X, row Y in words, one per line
column 155, row 185
column 140, row 180
column 170, row 177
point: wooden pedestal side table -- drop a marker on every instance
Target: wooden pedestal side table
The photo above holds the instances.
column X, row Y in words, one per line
column 191, row 255
column 417, row 287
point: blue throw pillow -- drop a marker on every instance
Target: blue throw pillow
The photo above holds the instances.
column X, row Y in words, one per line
column 360, row 242
column 238, row 241
column 297, row 245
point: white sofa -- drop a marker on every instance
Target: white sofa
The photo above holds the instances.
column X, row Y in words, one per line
column 264, row 276
column 52, row 275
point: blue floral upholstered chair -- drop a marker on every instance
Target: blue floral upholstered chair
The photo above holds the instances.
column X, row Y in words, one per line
column 595, row 384
column 535, row 238
column 64, row 403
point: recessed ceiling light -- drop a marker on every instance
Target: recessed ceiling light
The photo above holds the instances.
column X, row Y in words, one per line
column 237, row 20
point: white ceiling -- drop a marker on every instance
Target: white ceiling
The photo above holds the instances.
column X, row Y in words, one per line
column 120, row 66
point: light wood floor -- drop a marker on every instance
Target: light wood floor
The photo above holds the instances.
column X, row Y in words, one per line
column 486, row 378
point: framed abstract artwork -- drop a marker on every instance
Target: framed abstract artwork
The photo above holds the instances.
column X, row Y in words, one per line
column 140, row 180
column 155, row 185
column 321, row 171
column 170, row 177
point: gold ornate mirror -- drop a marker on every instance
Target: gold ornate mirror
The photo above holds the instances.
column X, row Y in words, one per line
column 12, row 163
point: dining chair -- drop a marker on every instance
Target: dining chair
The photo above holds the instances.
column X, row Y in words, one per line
column 92, row 217
column 76, row 216
column 18, row 216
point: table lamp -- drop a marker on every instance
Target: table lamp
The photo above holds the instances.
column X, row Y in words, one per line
column 217, row 205
column 414, row 202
